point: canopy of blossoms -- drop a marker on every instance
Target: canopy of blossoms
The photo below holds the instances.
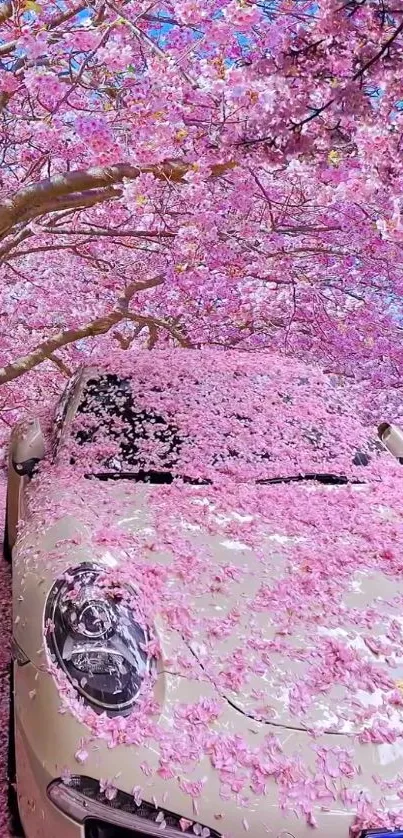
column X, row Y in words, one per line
column 222, row 172
column 273, row 598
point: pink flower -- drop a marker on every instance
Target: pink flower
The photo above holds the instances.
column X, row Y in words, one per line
column 81, row 755
column 108, row 788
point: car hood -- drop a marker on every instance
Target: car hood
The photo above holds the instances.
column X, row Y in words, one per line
column 295, row 623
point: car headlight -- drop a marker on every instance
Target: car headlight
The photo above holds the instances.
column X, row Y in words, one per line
column 92, row 635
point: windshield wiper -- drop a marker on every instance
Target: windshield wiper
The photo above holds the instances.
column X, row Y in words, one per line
column 327, row 479
column 167, row 478
column 154, row 477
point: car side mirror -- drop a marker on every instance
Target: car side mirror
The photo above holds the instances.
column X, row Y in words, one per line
column 27, row 468
column 392, row 438
column 28, row 448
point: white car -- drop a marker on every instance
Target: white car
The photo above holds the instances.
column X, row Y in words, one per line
column 207, row 603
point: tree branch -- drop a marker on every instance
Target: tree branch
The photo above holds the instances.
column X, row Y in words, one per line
column 44, row 350
column 111, row 233
column 100, row 326
column 125, row 342
column 84, row 187
column 62, row 367
column 67, row 15
column 385, row 46
column 6, row 10
column 160, row 324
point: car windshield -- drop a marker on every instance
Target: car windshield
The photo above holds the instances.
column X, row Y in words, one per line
column 177, row 417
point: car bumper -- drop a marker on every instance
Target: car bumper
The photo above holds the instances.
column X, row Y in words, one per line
column 47, row 742
column 39, row 817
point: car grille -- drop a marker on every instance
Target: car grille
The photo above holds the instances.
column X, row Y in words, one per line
column 95, row 828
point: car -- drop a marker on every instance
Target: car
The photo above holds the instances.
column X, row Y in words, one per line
column 207, row 572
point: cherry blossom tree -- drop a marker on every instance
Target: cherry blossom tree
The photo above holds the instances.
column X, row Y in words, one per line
column 217, row 172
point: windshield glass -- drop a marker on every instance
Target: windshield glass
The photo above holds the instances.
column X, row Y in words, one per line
column 123, row 436
column 201, row 414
